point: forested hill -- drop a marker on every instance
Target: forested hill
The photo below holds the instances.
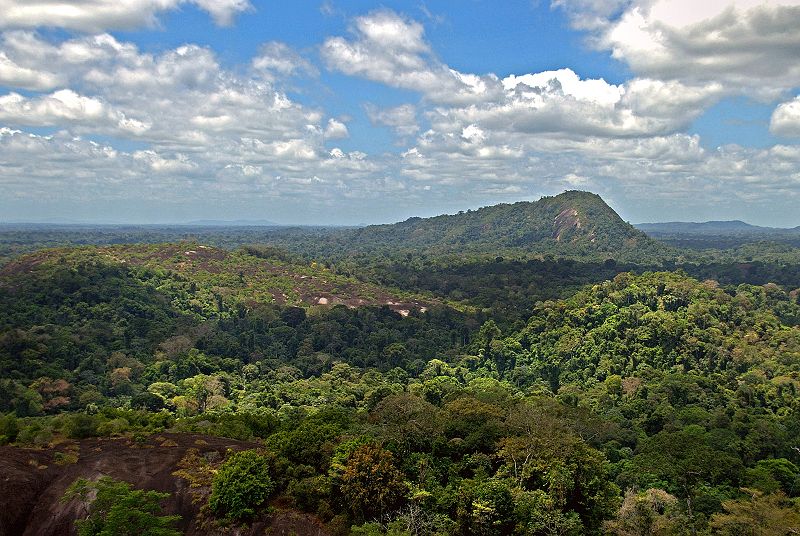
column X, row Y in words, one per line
column 572, row 223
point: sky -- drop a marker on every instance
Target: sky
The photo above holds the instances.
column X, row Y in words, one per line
column 356, row 112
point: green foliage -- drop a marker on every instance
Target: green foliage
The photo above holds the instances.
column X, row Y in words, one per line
column 773, row 475
column 757, row 515
column 572, row 223
column 80, row 426
column 241, row 485
column 653, row 511
column 371, row 484
column 118, row 510
column 544, row 402
column 9, row 428
column 486, row 508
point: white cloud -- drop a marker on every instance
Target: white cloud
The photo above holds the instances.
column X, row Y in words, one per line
column 401, row 119
column 391, row 49
column 278, row 59
column 747, row 46
column 66, row 106
column 180, row 97
column 207, row 130
column 179, row 164
column 336, row 130
column 559, row 103
column 540, row 132
column 473, row 134
column 568, row 83
column 101, row 15
column 229, row 136
column 14, row 75
column 785, row 119
column 223, row 11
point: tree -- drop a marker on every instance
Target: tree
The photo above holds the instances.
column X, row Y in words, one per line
column 242, row 484
column 650, row 513
column 407, row 421
column 757, row 515
column 486, row 508
column 685, row 460
column 544, row 455
column 371, row 484
column 488, row 332
column 119, row 510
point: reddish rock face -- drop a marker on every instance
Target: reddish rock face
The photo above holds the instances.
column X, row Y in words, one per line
column 32, row 484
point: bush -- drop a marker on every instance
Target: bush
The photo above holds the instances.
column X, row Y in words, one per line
column 115, row 508
column 36, row 433
column 9, row 428
column 114, row 427
column 241, row 485
column 308, row 493
column 80, row 426
column 147, row 401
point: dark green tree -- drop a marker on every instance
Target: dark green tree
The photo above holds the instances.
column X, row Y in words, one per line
column 241, row 485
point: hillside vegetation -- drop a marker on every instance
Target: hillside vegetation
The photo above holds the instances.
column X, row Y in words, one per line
column 573, row 223
column 545, row 396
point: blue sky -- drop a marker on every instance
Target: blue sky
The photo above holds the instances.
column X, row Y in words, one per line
column 347, row 112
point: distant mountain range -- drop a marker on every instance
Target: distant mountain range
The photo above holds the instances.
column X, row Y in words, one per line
column 719, row 228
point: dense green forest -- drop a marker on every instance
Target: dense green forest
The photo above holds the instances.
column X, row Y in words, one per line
column 426, row 394
column 658, row 383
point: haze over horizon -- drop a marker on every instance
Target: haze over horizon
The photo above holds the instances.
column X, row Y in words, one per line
column 208, row 222
column 334, row 112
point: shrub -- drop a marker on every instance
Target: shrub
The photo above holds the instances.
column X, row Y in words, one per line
column 80, row 426
column 114, row 427
column 118, row 509
column 241, row 485
column 9, row 428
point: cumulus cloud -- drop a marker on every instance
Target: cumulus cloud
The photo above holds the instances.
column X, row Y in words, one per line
column 179, row 164
column 15, row 75
column 401, row 119
column 391, row 49
column 235, row 135
column 544, row 131
column 746, row 45
column 206, row 129
column 560, row 103
column 101, row 15
column 183, row 96
column 66, row 106
column 336, row 130
column 785, row 119
column 279, row 59
column 641, row 173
